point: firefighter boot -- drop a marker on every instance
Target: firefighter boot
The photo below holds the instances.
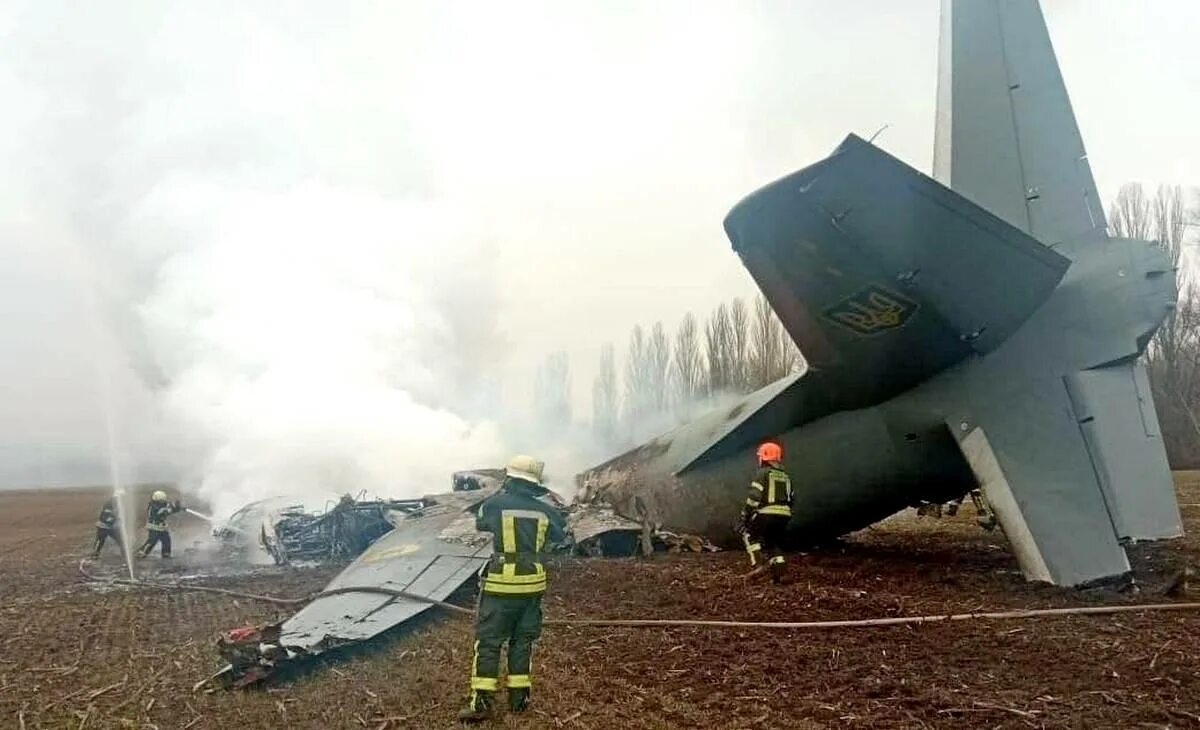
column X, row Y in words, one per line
column 479, row 707
column 778, row 568
column 518, row 699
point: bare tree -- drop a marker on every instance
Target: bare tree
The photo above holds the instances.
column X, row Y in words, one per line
column 739, row 332
column 604, row 399
column 637, row 379
column 687, row 368
column 658, row 360
column 768, row 360
column 552, row 392
column 717, row 340
column 1129, row 216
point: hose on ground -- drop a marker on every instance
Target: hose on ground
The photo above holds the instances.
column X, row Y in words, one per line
column 189, row 587
column 663, row 623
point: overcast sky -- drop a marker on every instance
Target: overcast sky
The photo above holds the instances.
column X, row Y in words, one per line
column 555, row 171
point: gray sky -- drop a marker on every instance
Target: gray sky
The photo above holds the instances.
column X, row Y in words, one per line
column 179, row 180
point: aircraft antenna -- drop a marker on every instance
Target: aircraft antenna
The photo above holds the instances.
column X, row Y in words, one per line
column 877, row 133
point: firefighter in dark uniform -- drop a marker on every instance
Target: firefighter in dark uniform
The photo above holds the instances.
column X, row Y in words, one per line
column 157, row 532
column 106, row 527
column 767, row 512
column 510, row 602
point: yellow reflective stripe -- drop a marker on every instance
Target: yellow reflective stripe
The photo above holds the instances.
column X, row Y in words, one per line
column 508, row 539
column 543, row 525
column 770, row 489
column 776, row 509
column 506, row 577
column 756, row 485
column 752, row 548
column 486, row 684
column 501, row 588
column 478, row 683
column 777, row 560
column 519, row 681
column 752, row 502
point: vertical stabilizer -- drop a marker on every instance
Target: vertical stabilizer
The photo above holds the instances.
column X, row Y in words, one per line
column 1006, row 136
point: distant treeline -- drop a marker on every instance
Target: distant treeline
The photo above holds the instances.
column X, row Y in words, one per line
column 667, row 377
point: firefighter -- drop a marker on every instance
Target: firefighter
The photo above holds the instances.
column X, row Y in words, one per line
column 157, row 532
column 767, row 512
column 510, row 602
column 106, row 527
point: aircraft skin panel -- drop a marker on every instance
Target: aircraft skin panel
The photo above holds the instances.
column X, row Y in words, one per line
column 430, row 553
column 1006, row 136
column 1049, row 500
column 979, row 454
column 884, row 277
column 1116, row 414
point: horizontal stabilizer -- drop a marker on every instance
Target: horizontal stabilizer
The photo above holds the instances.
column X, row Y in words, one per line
column 1116, row 413
column 1032, row 463
column 884, row 277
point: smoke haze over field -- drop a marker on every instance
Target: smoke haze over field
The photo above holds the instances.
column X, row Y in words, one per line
column 325, row 247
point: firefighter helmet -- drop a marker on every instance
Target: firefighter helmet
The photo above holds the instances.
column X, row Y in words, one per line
column 770, row 451
column 158, row 496
column 525, row 467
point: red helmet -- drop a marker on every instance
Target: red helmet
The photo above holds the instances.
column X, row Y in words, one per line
column 770, row 451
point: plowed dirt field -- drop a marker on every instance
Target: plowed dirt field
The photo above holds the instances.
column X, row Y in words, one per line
column 72, row 656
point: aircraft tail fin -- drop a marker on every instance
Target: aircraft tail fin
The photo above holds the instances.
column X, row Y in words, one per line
column 1006, row 136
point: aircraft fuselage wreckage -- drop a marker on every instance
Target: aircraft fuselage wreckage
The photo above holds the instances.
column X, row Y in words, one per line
column 974, row 330
column 977, row 329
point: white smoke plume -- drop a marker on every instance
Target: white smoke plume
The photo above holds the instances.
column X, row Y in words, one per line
column 307, row 343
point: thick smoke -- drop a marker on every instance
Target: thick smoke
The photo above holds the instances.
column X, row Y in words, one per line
column 320, row 339
column 334, row 242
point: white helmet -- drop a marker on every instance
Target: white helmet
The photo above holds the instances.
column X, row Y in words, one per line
column 526, row 468
column 158, row 496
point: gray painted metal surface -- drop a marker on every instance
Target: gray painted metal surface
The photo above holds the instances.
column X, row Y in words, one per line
column 985, row 334
column 430, row 553
column 1006, row 135
column 1116, row 413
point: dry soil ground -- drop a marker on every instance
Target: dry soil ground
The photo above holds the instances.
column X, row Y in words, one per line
column 73, row 656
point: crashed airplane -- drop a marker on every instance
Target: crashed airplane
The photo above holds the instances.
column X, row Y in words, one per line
column 977, row 329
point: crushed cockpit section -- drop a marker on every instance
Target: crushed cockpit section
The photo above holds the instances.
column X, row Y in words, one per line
column 294, row 531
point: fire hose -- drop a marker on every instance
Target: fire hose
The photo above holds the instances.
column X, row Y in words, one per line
column 644, row 623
